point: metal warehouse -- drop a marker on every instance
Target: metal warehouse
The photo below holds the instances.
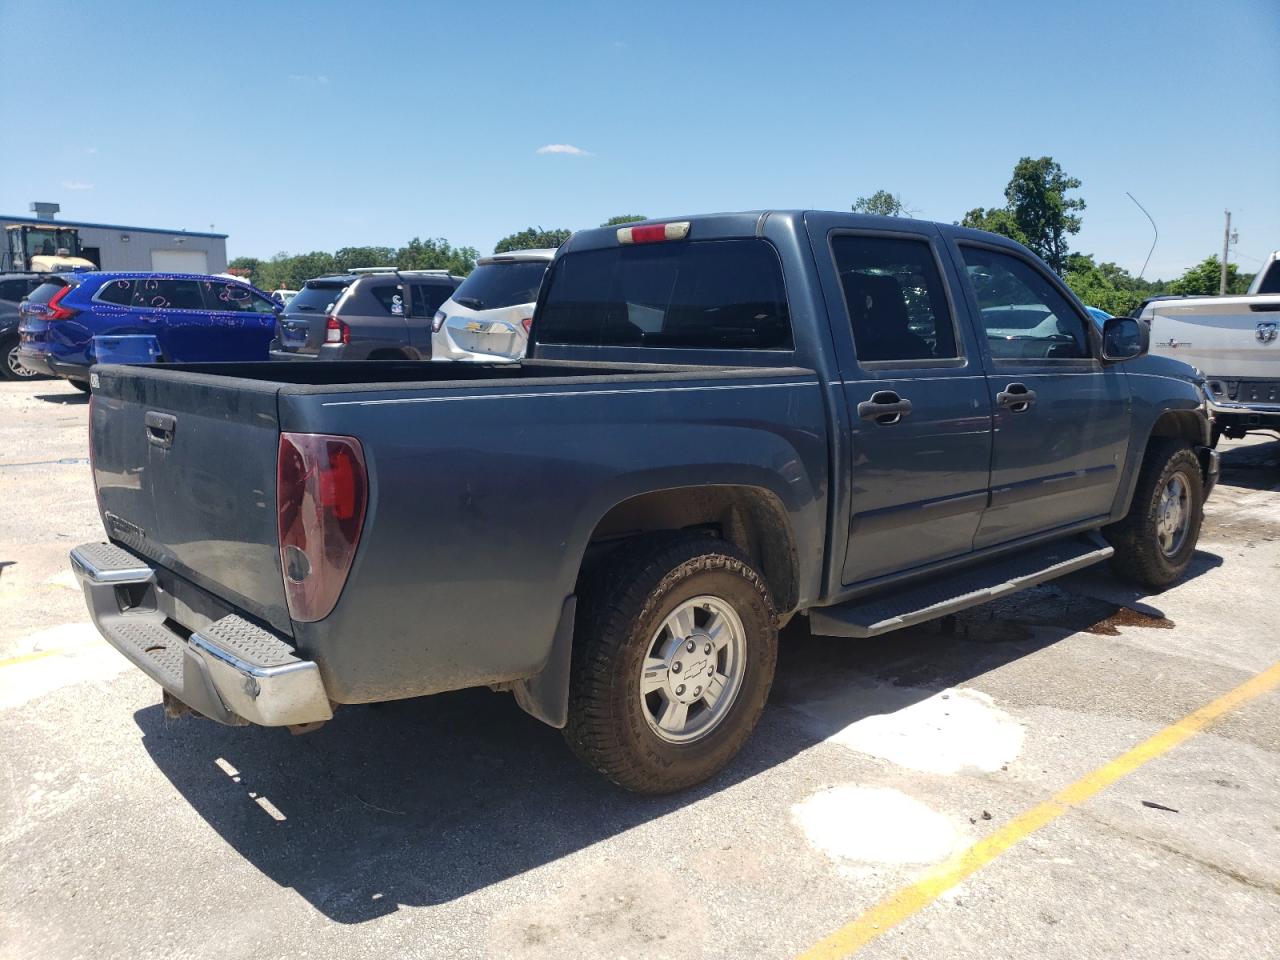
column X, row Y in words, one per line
column 110, row 246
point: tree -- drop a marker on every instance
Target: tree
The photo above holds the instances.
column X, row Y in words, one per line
column 349, row 258
column 882, row 203
column 436, row 254
column 1037, row 198
column 252, row 264
column 624, row 218
column 532, row 239
column 1204, row 278
column 996, row 220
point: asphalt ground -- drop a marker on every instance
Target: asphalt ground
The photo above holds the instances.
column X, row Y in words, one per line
column 949, row 791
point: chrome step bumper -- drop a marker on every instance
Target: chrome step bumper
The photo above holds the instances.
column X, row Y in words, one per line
column 228, row 669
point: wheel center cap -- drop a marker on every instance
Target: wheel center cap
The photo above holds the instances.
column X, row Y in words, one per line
column 690, row 671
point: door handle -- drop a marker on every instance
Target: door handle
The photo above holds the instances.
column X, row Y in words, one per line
column 885, row 407
column 160, row 428
column 1016, row 398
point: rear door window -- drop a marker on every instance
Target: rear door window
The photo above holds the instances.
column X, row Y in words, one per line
column 391, row 296
column 428, row 297
column 491, row 286
column 710, row 294
column 896, row 303
column 157, row 294
column 119, row 292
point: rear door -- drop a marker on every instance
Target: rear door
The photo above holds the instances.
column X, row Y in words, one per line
column 1062, row 418
column 185, row 467
column 174, row 308
column 243, row 322
column 917, row 400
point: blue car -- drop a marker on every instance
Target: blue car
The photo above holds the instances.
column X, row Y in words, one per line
column 74, row 320
column 1099, row 315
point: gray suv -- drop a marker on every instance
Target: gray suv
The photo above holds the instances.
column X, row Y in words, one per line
column 368, row 314
column 14, row 288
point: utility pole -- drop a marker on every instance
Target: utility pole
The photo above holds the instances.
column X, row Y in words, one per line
column 1226, row 244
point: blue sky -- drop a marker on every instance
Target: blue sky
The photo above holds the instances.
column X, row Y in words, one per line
column 299, row 127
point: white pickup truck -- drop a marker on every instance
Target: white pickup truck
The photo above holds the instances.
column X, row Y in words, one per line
column 1235, row 341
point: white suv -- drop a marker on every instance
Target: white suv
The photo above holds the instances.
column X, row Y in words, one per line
column 488, row 317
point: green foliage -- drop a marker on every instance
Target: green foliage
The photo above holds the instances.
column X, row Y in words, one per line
column 532, row 239
column 293, row 270
column 1108, row 286
column 1037, row 197
column 996, row 220
column 624, row 218
column 1204, row 279
column 1037, row 210
column 882, row 203
column 436, row 255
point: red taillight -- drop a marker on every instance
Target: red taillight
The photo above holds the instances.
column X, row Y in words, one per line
column 527, row 323
column 322, row 488
column 55, row 308
column 335, row 331
column 654, row 232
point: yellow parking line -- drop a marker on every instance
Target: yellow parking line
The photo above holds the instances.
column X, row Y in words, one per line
column 911, row 900
column 54, row 652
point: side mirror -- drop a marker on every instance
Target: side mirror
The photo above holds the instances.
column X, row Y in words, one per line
column 1124, row 338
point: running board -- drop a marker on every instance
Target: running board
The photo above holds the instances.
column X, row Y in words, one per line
column 940, row 596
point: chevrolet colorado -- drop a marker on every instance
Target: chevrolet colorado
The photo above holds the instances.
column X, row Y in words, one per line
column 724, row 421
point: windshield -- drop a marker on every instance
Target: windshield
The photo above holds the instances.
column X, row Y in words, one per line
column 493, row 285
column 316, row 297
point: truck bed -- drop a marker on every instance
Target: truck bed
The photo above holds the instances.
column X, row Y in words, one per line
column 455, row 582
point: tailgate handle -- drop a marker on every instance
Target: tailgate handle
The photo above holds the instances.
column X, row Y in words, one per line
column 160, row 428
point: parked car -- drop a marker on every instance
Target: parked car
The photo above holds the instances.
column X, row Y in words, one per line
column 1099, row 315
column 283, row 296
column 1235, row 340
column 366, row 314
column 74, row 320
column 489, row 316
column 723, row 422
column 14, row 288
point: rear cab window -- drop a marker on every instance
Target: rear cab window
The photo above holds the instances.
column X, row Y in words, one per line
column 491, row 286
column 700, row 294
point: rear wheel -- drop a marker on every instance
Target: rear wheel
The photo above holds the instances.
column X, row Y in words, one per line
column 674, row 654
column 12, row 369
column 1155, row 542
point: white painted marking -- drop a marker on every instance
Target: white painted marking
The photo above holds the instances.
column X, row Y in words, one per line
column 270, row 807
column 875, row 825
column 944, row 732
column 226, row 767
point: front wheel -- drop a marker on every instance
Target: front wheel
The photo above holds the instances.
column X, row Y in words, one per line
column 1155, row 541
column 674, row 653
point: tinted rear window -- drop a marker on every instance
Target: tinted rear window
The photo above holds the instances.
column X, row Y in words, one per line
column 391, row 296
column 316, row 297
column 119, row 292
column 711, row 294
column 494, row 285
column 44, row 293
column 1271, row 279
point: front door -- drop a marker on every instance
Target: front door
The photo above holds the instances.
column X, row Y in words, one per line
column 243, row 321
column 916, row 398
column 1061, row 415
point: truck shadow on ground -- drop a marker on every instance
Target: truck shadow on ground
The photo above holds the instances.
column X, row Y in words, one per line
column 421, row 802
column 1254, row 467
column 74, row 399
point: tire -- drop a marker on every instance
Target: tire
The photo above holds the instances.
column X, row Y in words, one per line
column 1141, row 556
column 625, row 610
column 10, row 369
column 80, row 385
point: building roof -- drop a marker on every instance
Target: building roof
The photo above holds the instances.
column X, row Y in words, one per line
column 6, row 218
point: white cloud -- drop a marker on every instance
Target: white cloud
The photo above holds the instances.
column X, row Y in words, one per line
column 76, row 185
column 565, row 148
column 91, row 150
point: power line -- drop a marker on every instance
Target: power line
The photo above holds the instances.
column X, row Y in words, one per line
column 1154, row 230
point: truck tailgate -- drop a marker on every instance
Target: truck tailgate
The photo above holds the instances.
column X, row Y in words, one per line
column 185, row 466
column 1226, row 337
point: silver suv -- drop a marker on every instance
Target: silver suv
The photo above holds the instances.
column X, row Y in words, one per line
column 368, row 314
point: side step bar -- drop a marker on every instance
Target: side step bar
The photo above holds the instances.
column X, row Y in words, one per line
column 938, row 597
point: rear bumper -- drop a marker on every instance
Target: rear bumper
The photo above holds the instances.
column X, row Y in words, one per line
column 51, row 367
column 228, row 669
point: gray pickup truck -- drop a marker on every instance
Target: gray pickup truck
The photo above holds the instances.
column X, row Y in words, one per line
column 724, row 421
